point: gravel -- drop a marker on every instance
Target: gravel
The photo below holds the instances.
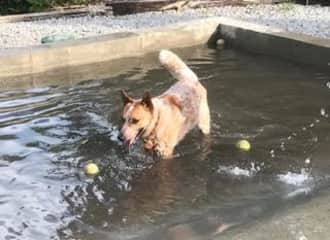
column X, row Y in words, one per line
column 312, row 20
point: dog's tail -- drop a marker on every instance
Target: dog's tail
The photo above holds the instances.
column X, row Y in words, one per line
column 176, row 66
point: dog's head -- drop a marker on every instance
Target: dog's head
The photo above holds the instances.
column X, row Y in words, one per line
column 136, row 117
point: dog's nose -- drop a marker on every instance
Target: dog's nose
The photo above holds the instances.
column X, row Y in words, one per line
column 120, row 137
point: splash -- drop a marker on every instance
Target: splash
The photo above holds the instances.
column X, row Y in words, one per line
column 296, row 179
column 237, row 171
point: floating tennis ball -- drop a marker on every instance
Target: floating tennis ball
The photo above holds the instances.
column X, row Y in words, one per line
column 91, row 169
column 220, row 43
column 243, row 145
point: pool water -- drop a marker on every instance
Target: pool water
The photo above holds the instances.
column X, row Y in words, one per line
column 48, row 134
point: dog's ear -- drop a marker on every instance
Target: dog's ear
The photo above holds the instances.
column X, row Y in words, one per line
column 125, row 97
column 146, row 100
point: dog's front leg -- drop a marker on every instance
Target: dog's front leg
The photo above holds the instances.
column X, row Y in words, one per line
column 164, row 150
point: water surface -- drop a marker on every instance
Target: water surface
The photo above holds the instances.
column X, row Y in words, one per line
column 48, row 133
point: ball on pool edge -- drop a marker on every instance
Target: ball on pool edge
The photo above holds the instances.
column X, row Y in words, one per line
column 91, row 169
column 243, row 145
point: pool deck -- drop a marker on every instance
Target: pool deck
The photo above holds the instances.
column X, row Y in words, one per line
column 21, row 62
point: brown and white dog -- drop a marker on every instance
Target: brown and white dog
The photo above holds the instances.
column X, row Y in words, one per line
column 163, row 121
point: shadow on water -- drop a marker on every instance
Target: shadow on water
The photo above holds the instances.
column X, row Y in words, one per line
column 47, row 135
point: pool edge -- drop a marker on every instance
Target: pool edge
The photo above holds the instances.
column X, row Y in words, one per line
column 240, row 34
column 37, row 59
column 272, row 41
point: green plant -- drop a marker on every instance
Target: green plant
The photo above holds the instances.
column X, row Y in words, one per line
column 13, row 6
column 22, row 6
column 39, row 5
column 78, row 2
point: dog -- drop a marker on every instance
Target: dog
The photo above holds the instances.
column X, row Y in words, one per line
column 163, row 121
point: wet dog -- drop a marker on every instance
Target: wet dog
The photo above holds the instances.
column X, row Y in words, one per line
column 163, row 121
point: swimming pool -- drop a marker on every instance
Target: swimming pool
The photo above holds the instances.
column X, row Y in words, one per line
column 49, row 132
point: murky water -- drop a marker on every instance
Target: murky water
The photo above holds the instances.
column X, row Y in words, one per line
column 47, row 135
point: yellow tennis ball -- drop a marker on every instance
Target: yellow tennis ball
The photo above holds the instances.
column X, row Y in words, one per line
column 243, row 145
column 91, row 169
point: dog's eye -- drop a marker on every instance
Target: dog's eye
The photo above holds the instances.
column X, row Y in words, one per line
column 123, row 119
column 134, row 121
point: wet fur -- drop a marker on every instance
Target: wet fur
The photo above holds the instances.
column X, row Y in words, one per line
column 163, row 121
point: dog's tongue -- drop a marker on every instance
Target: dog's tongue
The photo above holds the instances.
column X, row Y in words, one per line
column 148, row 145
column 130, row 143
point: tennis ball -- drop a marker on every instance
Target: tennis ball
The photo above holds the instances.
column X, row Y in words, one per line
column 243, row 145
column 91, row 169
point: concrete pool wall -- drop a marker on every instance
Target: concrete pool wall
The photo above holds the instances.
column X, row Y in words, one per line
column 269, row 40
column 105, row 48
column 16, row 65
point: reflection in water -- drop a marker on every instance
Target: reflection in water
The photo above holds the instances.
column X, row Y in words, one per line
column 48, row 134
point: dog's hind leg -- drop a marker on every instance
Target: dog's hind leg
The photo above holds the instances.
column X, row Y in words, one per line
column 204, row 116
